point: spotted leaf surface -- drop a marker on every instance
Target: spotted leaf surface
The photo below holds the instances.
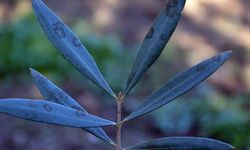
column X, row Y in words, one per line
column 180, row 84
column 69, row 45
column 52, row 113
column 155, row 41
column 182, row 143
column 53, row 93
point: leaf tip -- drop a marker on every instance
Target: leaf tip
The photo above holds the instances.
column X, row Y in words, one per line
column 182, row 4
column 31, row 69
column 33, row 72
column 229, row 52
column 226, row 54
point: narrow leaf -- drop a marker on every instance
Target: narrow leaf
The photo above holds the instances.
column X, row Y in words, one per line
column 155, row 41
column 69, row 45
column 53, row 93
column 100, row 133
column 52, row 113
column 180, row 84
column 182, row 143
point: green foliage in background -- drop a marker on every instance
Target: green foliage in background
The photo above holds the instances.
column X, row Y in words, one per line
column 23, row 45
column 208, row 114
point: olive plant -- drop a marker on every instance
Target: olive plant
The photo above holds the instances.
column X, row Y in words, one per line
column 61, row 109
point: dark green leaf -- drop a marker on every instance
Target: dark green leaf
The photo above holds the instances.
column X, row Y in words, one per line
column 69, row 45
column 182, row 143
column 52, row 93
column 155, row 41
column 52, row 113
column 180, row 84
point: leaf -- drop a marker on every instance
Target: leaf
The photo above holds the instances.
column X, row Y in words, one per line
column 52, row 93
column 180, row 84
column 52, row 113
column 100, row 133
column 69, row 45
column 182, row 143
column 155, row 41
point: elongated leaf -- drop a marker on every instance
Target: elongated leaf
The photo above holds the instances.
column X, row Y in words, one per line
column 52, row 113
column 180, row 84
column 52, row 93
column 69, row 45
column 155, row 41
column 100, row 133
column 182, row 143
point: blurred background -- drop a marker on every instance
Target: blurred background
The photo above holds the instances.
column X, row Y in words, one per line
column 112, row 31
